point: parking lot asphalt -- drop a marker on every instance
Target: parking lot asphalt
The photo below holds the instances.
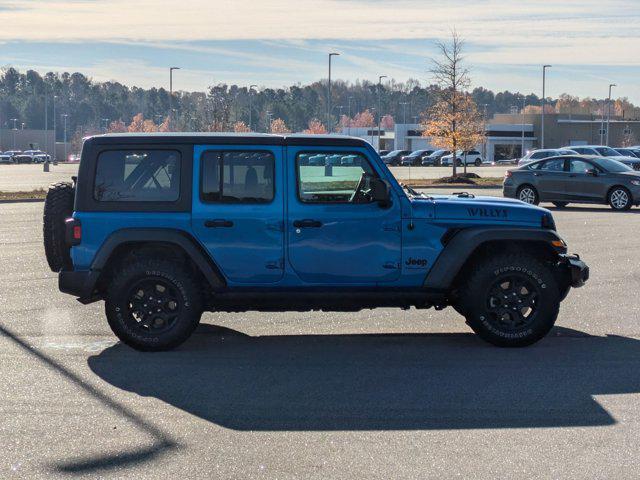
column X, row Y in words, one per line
column 15, row 178
column 374, row 394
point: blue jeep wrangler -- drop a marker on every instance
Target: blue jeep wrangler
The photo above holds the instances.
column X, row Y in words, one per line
column 165, row 226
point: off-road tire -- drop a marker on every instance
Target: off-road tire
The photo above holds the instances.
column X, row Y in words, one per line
column 58, row 206
column 476, row 299
column 119, row 308
column 536, row 196
column 614, row 203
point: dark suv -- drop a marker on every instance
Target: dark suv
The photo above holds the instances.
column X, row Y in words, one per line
column 165, row 226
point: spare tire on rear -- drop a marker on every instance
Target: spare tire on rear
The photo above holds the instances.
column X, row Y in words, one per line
column 58, row 206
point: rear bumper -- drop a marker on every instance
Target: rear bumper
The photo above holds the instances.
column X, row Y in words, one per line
column 80, row 284
column 578, row 270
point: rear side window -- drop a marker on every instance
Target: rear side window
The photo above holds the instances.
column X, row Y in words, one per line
column 137, row 176
column 237, row 177
column 556, row 165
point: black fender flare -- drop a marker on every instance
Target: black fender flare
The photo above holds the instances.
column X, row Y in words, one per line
column 180, row 238
column 462, row 244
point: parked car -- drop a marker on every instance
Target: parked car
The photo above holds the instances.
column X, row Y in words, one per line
column 574, row 179
column 415, row 157
column 37, row 156
column 13, row 153
column 539, row 154
column 6, row 158
column 382, row 153
column 273, row 234
column 472, row 157
column 628, row 152
column 434, row 159
column 393, row 157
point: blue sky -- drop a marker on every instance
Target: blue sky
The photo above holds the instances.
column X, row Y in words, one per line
column 279, row 42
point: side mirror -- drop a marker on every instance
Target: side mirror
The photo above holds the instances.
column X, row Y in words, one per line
column 380, row 192
column 593, row 172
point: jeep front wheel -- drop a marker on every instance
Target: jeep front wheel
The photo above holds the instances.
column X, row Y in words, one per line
column 511, row 300
column 153, row 305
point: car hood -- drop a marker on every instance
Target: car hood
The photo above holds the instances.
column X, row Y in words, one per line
column 463, row 209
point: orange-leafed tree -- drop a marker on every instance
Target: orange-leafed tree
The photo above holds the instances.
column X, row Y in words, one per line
column 117, row 126
column 137, row 123
column 363, row 119
column 316, row 127
column 446, row 118
column 387, row 122
column 167, row 125
column 278, row 126
column 241, row 127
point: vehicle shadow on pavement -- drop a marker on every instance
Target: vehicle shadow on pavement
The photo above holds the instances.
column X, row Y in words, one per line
column 380, row 382
column 586, row 209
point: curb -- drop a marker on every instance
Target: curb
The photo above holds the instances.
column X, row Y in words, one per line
column 22, row 200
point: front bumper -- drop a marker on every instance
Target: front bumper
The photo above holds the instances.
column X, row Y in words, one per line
column 578, row 270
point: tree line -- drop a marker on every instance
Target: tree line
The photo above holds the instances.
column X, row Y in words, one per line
column 93, row 107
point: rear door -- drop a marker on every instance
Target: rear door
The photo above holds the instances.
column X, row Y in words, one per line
column 238, row 210
column 335, row 235
column 550, row 179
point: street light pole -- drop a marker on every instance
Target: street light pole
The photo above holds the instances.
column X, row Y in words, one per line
column 65, row 137
column 349, row 125
column 379, row 107
column 55, row 157
column 251, row 105
column 524, row 100
column 329, row 93
column 14, row 120
column 171, row 69
column 609, row 111
column 544, row 84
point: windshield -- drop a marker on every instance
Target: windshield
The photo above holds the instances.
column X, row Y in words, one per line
column 607, row 152
column 613, row 166
column 394, row 152
column 437, row 153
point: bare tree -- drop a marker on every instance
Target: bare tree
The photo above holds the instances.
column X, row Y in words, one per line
column 452, row 109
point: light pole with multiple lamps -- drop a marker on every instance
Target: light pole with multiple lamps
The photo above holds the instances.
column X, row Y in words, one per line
column 333, row 54
column 544, row 84
column 171, row 69
column 609, row 111
column 251, row 106
column 379, row 108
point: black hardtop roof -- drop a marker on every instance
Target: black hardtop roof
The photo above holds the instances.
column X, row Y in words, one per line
column 201, row 138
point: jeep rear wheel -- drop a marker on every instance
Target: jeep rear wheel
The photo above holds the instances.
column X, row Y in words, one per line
column 511, row 300
column 58, row 206
column 153, row 305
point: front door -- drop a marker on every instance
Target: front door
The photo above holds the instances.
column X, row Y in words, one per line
column 583, row 186
column 238, row 210
column 336, row 233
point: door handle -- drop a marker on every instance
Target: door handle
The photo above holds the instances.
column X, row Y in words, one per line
column 218, row 223
column 307, row 223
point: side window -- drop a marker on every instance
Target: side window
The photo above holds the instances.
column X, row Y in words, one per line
column 556, row 165
column 237, row 177
column 137, row 176
column 539, row 155
column 579, row 166
column 326, row 177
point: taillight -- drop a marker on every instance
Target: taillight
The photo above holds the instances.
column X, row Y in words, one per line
column 73, row 231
